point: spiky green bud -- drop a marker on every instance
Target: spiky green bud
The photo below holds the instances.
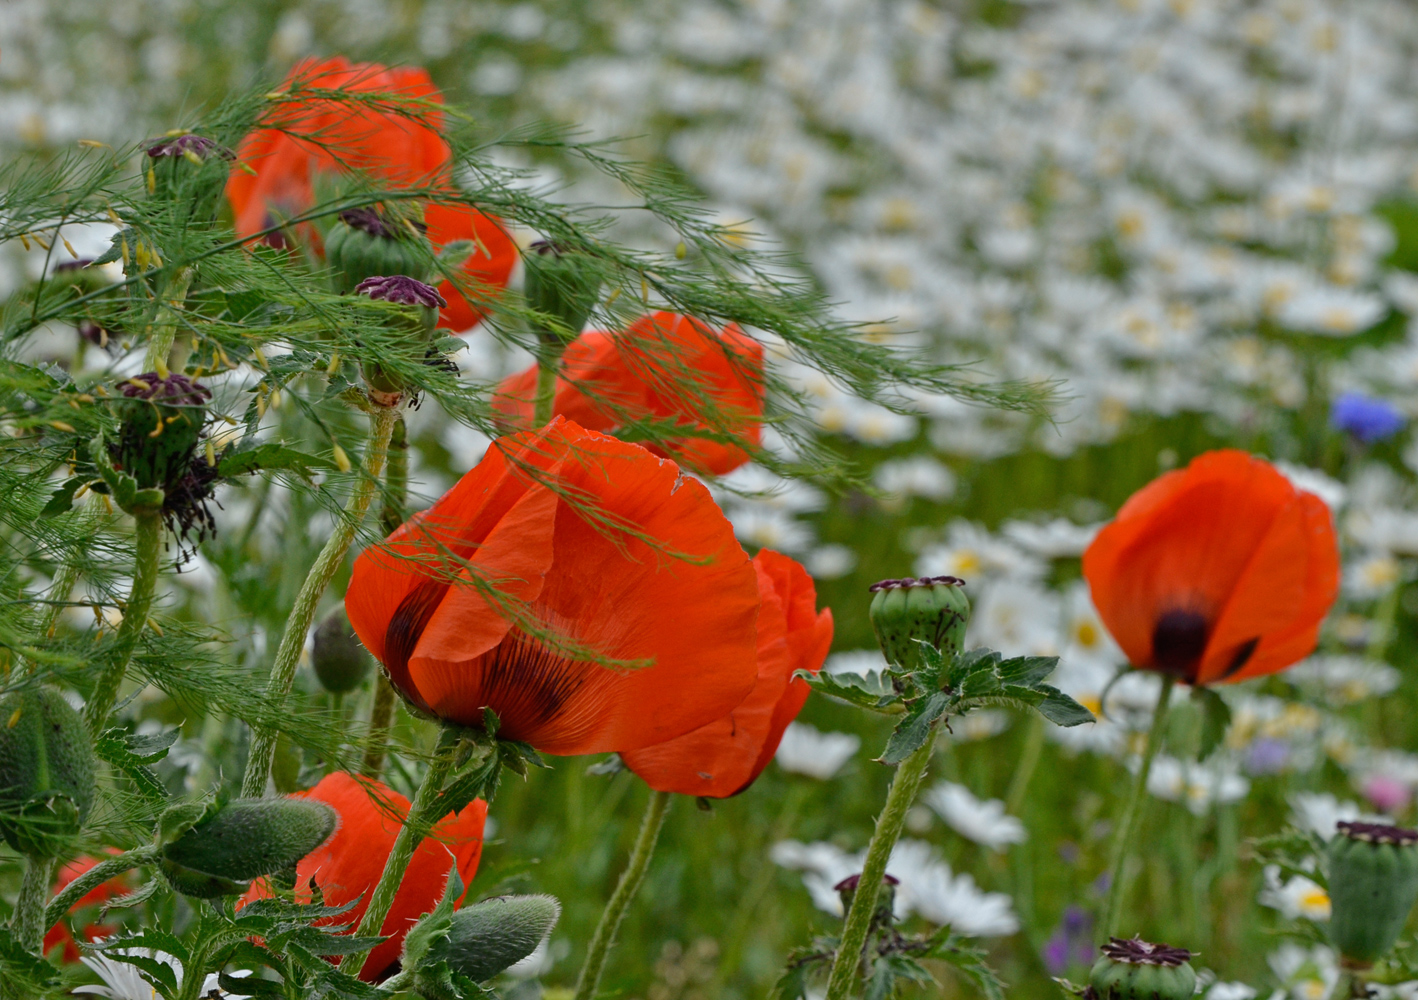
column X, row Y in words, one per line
column 1373, row 883
column 1136, row 970
column 366, row 244
column 47, row 769
column 489, row 936
column 340, row 660
column 933, row 608
column 243, row 840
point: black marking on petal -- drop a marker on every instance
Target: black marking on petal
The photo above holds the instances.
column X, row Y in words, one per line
column 1244, row 652
column 1178, row 640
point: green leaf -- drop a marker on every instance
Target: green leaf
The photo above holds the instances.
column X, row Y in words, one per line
column 968, row 664
column 1027, row 671
column 916, row 728
column 970, row 961
column 268, row 457
column 1215, row 720
column 63, row 498
column 21, row 967
column 872, row 691
column 1062, row 710
column 152, row 747
column 115, row 747
column 250, row 986
column 981, row 682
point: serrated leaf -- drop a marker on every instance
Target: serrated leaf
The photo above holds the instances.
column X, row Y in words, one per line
column 114, row 747
column 135, row 898
column 1062, row 710
column 967, row 664
column 871, row 690
column 1027, row 671
column 152, row 747
column 269, row 457
column 63, row 499
column 22, row 967
column 916, row 728
column 1215, row 720
column 251, row 986
column 981, row 682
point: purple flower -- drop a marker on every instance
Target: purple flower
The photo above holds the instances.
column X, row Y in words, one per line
column 1071, row 942
column 1365, row 418
column 1267, row 755
column 199, row 146
column 401, row 289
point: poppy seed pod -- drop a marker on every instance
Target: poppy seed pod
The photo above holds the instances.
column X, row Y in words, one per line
column 365, row 244
column 46, row 771
column 489, row 936
column 561, row 283
column 933, row 608
column 1136, row 970
column 340, row 660
column 418, row 317
column 245, row 839
column 162, row 422
column 189, row 169
column 1373, row 883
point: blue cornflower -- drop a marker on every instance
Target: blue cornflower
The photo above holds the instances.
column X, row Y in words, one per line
column 1366, row 418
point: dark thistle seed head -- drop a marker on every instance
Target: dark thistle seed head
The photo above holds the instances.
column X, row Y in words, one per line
column 1178, row 640
column 1377, row 833
column 1135, row 951
column 182, row 145
column 402, row 290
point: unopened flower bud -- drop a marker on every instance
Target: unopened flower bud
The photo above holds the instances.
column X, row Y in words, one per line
column 486, row 938
column 885, row 898
column 190, row 170
column 47, row 768
column 933, row 608
column 243, row 840
column 561, row 283
column 162, row 422
column 419, row 317
column 366, row 244
column 340, row 660
column 1136, row 970
column 1373, row 883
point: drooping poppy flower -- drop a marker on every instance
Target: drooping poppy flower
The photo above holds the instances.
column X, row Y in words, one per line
column 663, row 367
column 726, row 756
column 1217, row 572
column 278, row 166
column 350, row 863
column 624, row 612
column 59, row 936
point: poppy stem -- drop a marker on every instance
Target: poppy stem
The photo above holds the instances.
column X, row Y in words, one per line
column 164, row 330
column 147, row 533
column 548, row 358
column 380, row 716
column 1132, row 815
column 590, row 978
column 904, row 785
column 396, row 488
column 27, row 923
column 331, row 557
column 416, row 826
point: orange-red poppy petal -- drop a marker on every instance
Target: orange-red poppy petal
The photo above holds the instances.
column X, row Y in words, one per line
column 488, row 267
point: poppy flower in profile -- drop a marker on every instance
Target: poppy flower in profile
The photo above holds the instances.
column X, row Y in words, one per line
column 59, row 936
column 623, row 612
column 349, row 864
column 1217, row 572
column 279, row 165
column 726, row 756
column 664, row 367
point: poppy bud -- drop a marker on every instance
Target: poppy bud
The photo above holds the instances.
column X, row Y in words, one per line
column 561, row 283
column 933, row 608
column 243, row 840
column 189, row 169
column 885, row 899
column 365, row 244
column 340, row 660
column 1136, row 970
column 161, row 424
column 486, row 938
column 420, row 316
column 46, row 771
column 1373, row 883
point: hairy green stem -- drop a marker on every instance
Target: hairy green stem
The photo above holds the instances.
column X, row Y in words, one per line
column 96, row 876
column 147, row 532
column 416, row 826
column 1121, row 854
column 27, row 922
column 590, row 978
column 263, row 739
column 546, row 390
column 380, row 716
column 164, row 330
column 904, row 786
column 396, row 479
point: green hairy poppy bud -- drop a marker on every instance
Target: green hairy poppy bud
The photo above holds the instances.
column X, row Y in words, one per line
column 1137, row 970
column 1373, row 883
column 243, row 840
column 162, row 422
column 190, row 170
column 561, row 283
column 367, row 244
column 340, row 660
column 885, row 899
column 487, row 937
column 933, row 608
column 46, row 771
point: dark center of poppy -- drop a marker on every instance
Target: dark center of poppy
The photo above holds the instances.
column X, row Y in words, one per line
column 1178, row 640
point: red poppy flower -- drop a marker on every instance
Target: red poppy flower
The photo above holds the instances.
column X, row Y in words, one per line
column 664, row 367
column 278, row 165
column 350, row 863
column 595, row 540
column 59, row 934
column 726, row 756
column 1217, row 572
